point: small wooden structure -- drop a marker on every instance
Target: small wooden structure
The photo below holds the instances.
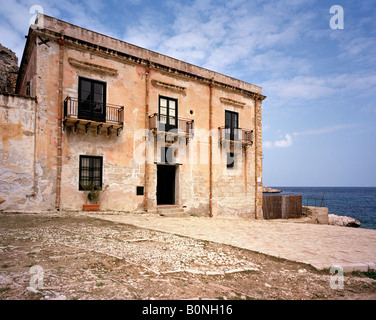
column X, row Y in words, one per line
column 282, row 206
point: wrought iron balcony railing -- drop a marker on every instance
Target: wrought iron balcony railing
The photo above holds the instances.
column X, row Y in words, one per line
column 159, row 122
column 93, row 111
column 245, row 136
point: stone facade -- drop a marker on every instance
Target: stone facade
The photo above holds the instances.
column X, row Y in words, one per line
column 42, row 143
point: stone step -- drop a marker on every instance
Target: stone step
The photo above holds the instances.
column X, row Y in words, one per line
column 170, row 209
column 172, row 212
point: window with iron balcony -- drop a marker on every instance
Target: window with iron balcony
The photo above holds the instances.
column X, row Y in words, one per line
column 91, row 108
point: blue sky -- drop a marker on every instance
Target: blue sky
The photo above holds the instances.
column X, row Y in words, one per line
column 319, row 120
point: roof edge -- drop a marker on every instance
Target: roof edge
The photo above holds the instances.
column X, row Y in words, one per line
column 56, row 25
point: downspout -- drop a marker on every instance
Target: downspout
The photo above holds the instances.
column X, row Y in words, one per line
column 256, row 159
column 34, row 193
column 147, row 76
column 211, row 150
column 245, row 170
column 35, row 147
column 35, row 130
column 35, row 180
column 59, row 121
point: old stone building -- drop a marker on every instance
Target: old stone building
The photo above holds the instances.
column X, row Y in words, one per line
column 158, row 131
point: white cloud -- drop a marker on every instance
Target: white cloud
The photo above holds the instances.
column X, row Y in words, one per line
column 15, row 18
column 232, row 37
column 285, row 92
column 328, row 129
column 287, row 140
column 284, row 143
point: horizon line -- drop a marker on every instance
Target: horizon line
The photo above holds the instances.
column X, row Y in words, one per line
column 321, row 186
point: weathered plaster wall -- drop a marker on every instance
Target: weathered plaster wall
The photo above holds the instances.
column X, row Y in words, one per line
column 318, row 215
column 120, row 171
column 233, row 190
column 23, row 180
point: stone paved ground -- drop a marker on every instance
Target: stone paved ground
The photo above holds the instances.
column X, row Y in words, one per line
column 321, row 246
column 75, row 256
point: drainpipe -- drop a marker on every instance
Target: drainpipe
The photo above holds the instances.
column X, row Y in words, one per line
column 211, row 150
column 256, row 158
column 60, row 116
column 147, row 76
column 34, row 193
column 35, row 147
column 35, row 180
column 245, row 170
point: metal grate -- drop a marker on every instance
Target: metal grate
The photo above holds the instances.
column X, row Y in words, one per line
column 114, row 114
column 90, row 171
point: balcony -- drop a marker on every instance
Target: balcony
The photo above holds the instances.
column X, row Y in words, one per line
column 236, row 135
column 93, row 114
column 172, row 126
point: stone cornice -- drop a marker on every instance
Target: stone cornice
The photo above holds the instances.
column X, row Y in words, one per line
column 168, row 86
column 232, row 102
column 92, row 66
column 112, row 53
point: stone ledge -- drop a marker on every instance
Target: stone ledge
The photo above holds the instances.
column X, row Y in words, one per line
column 361, row 267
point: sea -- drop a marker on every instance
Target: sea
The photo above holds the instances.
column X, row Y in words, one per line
column 356, row 202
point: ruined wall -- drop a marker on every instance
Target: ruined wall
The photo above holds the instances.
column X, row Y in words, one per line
column 19, row 167
column 29, row 142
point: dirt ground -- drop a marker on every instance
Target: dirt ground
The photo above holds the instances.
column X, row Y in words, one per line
column 74, row 257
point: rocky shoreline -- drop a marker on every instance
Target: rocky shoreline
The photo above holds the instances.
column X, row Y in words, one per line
column 266, row 189
column 343, row 221
column 332, row 219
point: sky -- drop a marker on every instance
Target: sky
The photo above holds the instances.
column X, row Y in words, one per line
column 317, row 68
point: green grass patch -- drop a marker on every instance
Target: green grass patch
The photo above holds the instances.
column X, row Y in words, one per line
column 370, row 274
column 2, row 290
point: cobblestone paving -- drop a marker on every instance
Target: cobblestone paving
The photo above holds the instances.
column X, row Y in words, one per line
column 321, row 246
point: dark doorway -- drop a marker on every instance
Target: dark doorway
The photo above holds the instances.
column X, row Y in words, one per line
column 166, row 184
